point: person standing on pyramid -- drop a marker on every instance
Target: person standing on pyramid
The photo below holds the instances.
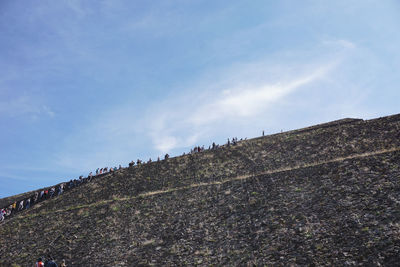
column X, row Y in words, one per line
column 39, row 263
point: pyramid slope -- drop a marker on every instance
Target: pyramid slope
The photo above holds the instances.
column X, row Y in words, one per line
column 328, row 195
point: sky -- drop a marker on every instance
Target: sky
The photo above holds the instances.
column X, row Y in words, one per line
column 91, row 84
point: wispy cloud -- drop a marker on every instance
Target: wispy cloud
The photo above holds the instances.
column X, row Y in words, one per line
column 221, row 101
column 339, row 43
column 184, row 121
column 25, row 105
column 250, row 100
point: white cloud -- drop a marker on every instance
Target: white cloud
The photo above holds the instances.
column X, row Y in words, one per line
column 48, row 111
column 25, row 105
column 250, row 100
column 221, row 101
column 339, row 43
column 76, row 7
column 185, row 120
column 165, row 143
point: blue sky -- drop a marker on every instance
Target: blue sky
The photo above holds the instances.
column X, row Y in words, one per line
column 87, row 84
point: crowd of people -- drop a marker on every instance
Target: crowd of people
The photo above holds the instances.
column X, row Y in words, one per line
column 48, row 193
column 57, row 190
column 196, row 149
column 213, row 146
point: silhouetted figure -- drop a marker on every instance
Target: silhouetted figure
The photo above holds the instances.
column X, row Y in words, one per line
column 50, row 262
column 35, row 197
column 28, row 203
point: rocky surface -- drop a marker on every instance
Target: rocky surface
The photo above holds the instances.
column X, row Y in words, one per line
column 324, row 195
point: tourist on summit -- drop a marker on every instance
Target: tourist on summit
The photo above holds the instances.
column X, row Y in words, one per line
column 28, row 203
column 39, row 263
column 35, row 197
column 97, row 171
column 14, row 206
column 41, row 195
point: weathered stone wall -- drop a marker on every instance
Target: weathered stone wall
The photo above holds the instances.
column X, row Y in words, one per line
column 233, row 206
column 251, row 156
